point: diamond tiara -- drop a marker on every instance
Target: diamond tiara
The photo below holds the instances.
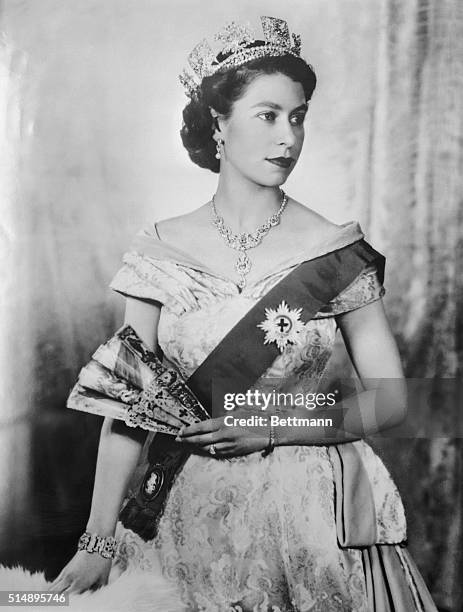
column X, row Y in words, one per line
column 239, row 45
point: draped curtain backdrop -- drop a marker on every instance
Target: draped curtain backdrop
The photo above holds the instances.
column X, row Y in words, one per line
column 416, row 215
column 89, row 151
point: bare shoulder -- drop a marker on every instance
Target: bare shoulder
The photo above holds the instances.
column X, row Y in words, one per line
column 304, row 220
column 176, row 230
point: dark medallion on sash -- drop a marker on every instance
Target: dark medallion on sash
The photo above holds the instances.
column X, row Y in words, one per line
column 152, row 483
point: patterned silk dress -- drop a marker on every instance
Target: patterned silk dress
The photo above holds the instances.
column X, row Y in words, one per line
column 259, row 533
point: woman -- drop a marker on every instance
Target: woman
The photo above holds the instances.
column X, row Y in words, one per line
column 262, row 517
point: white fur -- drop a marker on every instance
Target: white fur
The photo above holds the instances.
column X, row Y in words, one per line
column 130, row 592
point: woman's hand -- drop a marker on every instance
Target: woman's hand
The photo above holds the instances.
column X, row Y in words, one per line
column 229, row 440
column 83, row 572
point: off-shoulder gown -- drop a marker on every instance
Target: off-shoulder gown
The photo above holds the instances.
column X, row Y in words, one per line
column 258, row 533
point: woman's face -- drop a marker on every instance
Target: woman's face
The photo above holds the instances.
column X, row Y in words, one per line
column 264, row 134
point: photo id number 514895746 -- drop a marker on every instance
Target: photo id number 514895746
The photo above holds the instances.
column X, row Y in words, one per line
column 33, row 598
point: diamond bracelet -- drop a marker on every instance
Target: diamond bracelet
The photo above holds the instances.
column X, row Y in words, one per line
column 92, row 542
column 271, row 442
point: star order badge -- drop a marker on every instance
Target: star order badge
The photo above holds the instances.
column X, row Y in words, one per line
column 282, row 325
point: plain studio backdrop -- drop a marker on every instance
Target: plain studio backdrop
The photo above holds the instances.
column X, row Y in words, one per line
column 90, row 151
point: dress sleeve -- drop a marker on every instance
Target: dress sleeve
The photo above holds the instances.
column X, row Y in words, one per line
column 153, row 280
column 141, row 279
column 366, row 288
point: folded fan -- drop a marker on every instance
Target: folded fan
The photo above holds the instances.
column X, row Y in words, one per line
column 126, row 381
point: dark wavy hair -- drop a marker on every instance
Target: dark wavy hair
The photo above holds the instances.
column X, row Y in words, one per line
column 221, row 90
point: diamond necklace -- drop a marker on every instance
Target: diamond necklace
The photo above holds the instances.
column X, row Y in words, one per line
column 245, row 241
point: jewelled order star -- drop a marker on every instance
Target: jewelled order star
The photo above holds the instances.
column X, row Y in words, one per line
column 282, row 325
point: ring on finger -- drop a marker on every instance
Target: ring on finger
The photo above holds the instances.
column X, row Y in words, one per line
column 212, row 449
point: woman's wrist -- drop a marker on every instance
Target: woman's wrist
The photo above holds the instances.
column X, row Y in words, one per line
column 103, row 528
column 298, row 426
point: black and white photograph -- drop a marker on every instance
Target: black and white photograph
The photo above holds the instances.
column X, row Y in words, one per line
column 232, row 305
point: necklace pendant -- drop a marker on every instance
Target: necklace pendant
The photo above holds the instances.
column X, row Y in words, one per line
column 242, row 267
column 243, row 264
